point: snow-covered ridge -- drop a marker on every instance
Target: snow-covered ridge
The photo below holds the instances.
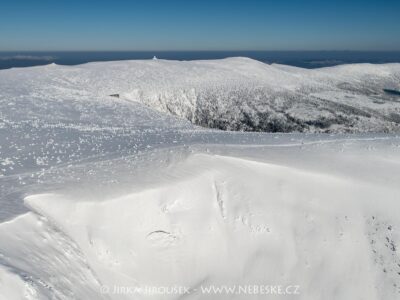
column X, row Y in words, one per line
column 234, row 93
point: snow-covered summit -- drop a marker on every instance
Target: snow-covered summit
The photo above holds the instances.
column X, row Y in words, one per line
column 233, row 93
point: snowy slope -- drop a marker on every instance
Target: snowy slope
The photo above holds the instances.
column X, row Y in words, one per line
column 319, row 216
column 98, row 192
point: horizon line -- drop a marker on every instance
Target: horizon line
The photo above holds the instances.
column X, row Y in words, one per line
column 193, row 50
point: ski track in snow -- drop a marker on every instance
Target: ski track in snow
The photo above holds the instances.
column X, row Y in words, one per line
column 97, row 191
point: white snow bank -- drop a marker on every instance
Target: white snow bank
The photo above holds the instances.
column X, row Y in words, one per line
column 218, row 220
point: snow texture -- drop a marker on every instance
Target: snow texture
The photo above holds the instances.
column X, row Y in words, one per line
column 98, row 191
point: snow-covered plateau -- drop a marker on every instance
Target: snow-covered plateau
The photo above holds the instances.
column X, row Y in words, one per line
column 116, row 182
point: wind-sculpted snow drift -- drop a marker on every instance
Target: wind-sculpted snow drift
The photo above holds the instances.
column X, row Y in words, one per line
column 104, row 196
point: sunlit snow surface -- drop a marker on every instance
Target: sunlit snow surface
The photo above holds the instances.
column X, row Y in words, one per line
column 98, row 191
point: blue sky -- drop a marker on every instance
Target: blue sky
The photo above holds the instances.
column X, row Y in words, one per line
column 199, row 25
